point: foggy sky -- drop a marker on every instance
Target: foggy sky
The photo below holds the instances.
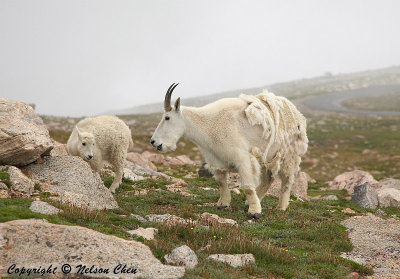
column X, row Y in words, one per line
column 75, row 58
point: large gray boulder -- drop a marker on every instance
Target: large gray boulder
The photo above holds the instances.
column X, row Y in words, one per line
column 72, row 181
column 34, row 243
column 365, row 196
column 23, row 136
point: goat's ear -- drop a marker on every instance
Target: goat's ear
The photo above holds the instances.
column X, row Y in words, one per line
column 79, row 133
column 177, row 104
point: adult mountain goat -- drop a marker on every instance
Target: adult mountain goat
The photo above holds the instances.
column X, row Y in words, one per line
column 102, row 139
column 261, row 137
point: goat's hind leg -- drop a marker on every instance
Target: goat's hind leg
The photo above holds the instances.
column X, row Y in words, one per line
column 224, row 192
column 287, row 183
column 266, row 181
column 249, row 174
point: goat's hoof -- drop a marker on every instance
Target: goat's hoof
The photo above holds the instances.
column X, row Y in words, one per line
column 221, row 206
column 255, row 216
column 246, row 207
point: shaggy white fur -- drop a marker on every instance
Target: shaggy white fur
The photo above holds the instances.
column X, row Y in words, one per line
column 102, row 139
column 259, row 136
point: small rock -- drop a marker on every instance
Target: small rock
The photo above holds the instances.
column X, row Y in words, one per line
column 44, row 208
column 167, row 218
column 147, row 233
column 4, row 194
column 3, row 186
column 237, row 260
column 185, row 160
column 353, row 275
column 205, row 248
column 389, row 197
column 128, row 173
column 329, row 198
column 349, row 180
column 365, row 196
column 380, row 213
column 138, row 217
column 19, row 181
column 140, row 160
column 348, row 210
column 215, row 219
column 182, row 255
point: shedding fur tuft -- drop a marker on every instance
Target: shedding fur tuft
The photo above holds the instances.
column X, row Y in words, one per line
column 283, row 125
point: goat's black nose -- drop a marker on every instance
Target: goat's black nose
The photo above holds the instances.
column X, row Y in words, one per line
column 152, row 142
column 90, row 156
column 159, row 147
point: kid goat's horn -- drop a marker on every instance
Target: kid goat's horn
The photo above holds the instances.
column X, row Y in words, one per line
column 167, row 102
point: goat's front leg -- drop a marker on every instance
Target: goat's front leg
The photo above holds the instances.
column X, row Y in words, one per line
column 248, row 185
column 224, row 192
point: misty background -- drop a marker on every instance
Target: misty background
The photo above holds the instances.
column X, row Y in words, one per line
column 82, row 58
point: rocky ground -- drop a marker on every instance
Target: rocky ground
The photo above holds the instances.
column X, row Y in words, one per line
column 341, row 221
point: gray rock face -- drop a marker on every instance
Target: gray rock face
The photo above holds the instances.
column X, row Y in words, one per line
column 233, row 260
column 365, row 196
column 19, row 181
column 23, row 136
column 182, row 255
column 39, row 243
column 44, row 208
column 210, row 218
column 72, row 181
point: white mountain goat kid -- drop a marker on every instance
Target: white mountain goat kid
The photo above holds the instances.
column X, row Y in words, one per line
column 261, row 137
column 102, row 139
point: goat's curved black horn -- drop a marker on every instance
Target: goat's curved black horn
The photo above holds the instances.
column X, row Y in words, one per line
column 167, row 101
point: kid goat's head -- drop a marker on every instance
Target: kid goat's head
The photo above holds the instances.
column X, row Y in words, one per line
column 85, row 144
column 171, row 126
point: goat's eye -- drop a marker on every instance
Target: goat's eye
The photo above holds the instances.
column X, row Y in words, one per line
column 166, row 117
column 83, row 143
